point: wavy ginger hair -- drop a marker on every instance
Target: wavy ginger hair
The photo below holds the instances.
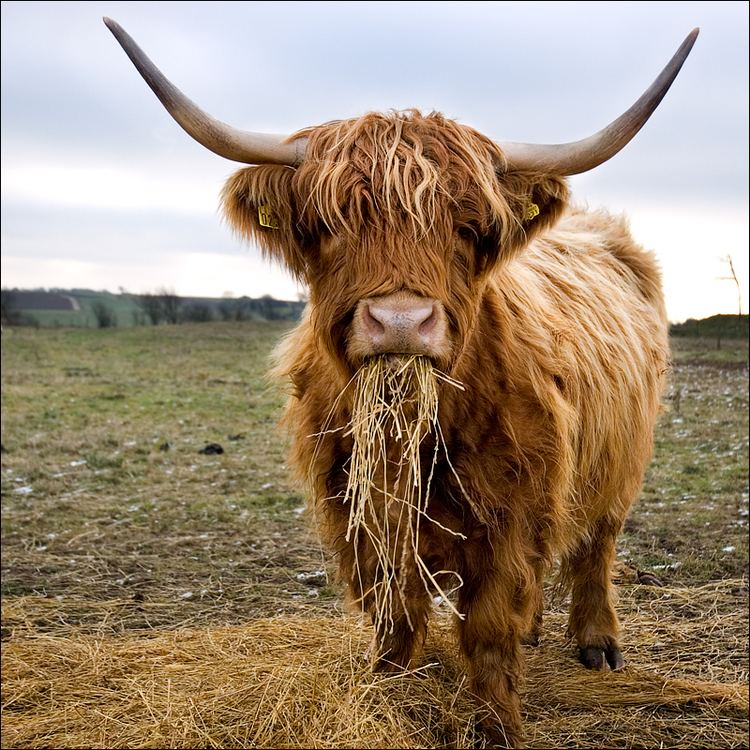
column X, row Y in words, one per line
column 391, row 201
column 569, row 318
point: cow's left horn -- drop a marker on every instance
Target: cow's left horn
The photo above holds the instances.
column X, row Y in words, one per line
column 580, row 156
column 222, row 139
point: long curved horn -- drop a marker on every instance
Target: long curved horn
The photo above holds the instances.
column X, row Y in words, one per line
column 222, row 139
column 580, row 156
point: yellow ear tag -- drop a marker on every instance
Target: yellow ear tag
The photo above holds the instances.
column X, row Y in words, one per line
column 532, row 211
column 267, row 218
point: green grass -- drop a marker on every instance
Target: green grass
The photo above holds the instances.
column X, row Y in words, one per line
column 105, row 493
column 687, row 350
column 106, row 497
column 691, row 522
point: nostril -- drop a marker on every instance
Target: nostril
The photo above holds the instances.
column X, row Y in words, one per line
column 429, row 322
column 372, row 323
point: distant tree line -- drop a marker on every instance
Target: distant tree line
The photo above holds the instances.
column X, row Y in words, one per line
column 160, row 307
column 164, row 306
column 717, row 326
column 262, row 308
column 10, row 312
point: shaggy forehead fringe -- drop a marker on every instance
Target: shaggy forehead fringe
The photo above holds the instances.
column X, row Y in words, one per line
column 401, row 172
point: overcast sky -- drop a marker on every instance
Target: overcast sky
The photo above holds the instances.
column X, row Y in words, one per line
column 101, row 189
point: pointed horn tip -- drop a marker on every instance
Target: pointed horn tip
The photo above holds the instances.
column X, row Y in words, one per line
column 222, row 139
column 692, row 36
column 571, row 158
column 686, row 47
column 112, row 25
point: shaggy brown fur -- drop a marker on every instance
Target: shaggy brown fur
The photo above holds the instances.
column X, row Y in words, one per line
column 558, row 331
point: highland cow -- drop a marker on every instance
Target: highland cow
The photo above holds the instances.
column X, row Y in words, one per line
column 542, row 327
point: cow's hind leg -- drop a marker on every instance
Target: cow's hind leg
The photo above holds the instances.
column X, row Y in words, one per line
column 593, row 621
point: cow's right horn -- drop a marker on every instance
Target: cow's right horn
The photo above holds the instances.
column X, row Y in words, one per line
column 222, row 139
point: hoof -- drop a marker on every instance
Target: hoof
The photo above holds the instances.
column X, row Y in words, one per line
column 649, row 579
column 601, row 659
column 498, row 737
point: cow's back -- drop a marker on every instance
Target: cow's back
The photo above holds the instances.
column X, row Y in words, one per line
column 586, row 301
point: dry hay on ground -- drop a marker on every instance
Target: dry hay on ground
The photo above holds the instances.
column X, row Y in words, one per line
column 301, row 683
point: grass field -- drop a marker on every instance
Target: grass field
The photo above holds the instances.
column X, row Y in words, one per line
column 106, row 495
column 114, row 521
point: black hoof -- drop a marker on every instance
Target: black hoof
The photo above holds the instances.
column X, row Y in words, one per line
column 601, row 659
column 649, row 579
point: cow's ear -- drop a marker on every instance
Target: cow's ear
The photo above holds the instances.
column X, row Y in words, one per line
column 528, row 204
column 537, row 202
column 259, row 205
column 531, row 204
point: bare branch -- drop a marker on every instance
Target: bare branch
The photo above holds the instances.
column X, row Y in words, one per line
column 734, row 278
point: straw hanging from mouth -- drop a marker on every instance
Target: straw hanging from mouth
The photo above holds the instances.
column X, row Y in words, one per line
column 394, row 416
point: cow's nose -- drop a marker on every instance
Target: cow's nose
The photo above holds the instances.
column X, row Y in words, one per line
column 384, row 320
column 402, row 324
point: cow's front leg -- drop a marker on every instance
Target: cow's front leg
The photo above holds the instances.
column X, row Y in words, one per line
column 533, row 632
column 496, row 612
column 399, row 608
column 397, row 641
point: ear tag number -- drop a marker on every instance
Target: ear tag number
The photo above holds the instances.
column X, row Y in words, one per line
column 267, row 218
column 532, row 211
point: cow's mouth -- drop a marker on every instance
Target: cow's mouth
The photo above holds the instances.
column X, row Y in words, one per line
column 395, row 362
